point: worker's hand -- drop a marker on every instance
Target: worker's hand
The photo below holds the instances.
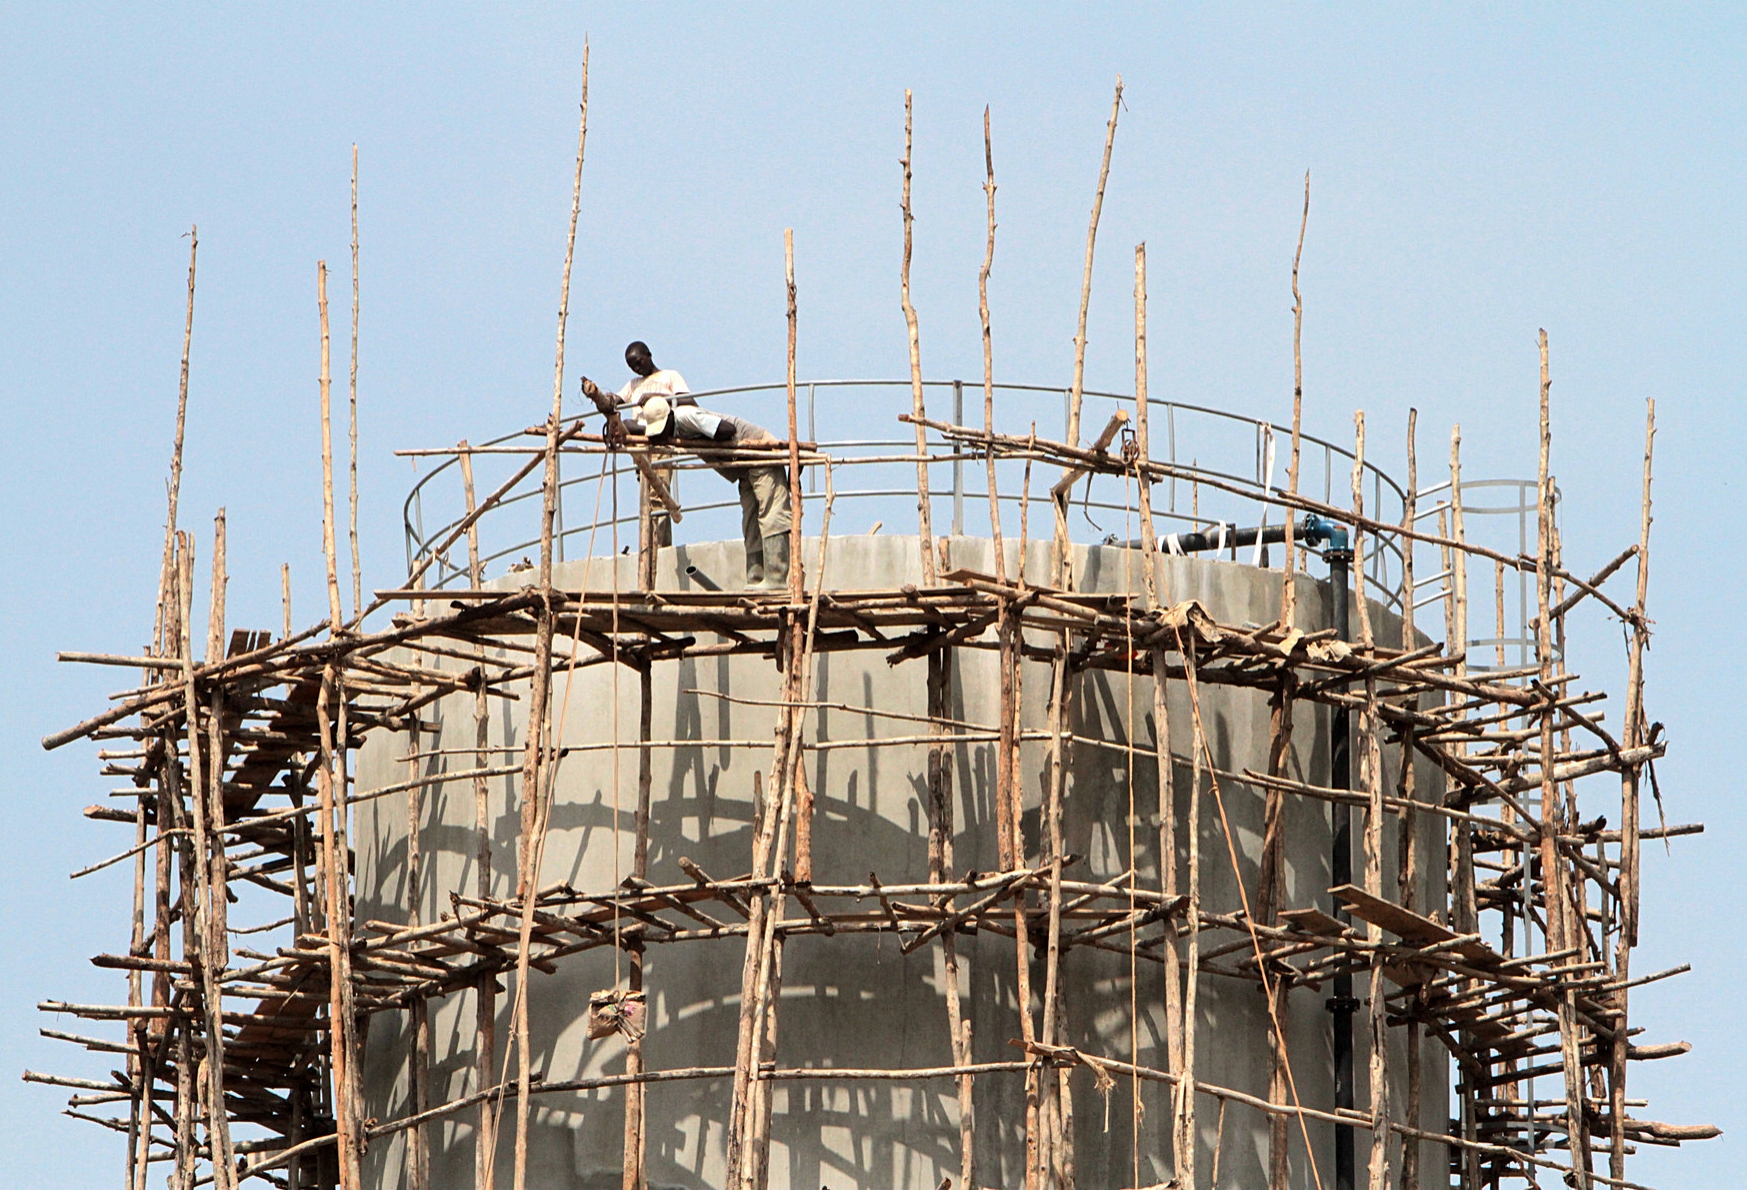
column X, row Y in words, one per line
column 615, row 433
column 602, row 401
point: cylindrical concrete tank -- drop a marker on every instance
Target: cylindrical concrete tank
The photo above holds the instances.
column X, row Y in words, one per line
column 853, row 1000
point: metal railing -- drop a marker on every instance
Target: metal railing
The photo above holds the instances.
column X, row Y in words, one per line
column 597, row 509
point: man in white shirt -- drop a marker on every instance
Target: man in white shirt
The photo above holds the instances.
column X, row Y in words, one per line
column 765, row 511
column 649, row 381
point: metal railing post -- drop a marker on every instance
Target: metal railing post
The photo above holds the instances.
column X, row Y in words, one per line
column 957, row 463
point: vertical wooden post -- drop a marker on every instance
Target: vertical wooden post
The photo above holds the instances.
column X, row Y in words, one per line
column 1289, row 577
column 485, row 991
column 989, row 365
column 352, row 484
column 532, row 786
column 1153, row 580
column 1560, row 931
column 1632, row 737
column 1407, row 850
column 335, row 862
column 1186, row 1127
column 419, row 1074
column 1371, row 769
column 635, row 1174
column 918, row 405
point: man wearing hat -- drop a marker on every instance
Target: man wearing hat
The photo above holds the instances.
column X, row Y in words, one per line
column 649, row 381
column 765, row 515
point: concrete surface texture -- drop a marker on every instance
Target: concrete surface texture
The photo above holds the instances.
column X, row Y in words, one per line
column 854, row 1001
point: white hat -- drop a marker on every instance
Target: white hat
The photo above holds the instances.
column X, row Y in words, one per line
column 655, row 412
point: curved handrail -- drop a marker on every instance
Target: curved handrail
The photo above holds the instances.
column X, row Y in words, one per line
column 1265, row 476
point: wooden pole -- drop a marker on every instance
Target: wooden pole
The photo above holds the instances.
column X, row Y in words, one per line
column 1371, row 771
column 1186, row 1127
column 211, row 1083
column 1407, row 850
column 352, row 484
column 989, row 358
column 335, row 616
column 796, row 569
column 1154, row 581
column 918, row 403
column 1086, row 275
column 419, row 1075
column 334, row 859
column 1632, row 737
column 532, row 818
column 164, row 645
column 1289, row 577
column 1560, row 932
column 485, row 991
column 1269, row 876
column 635, row 1173
column 940, row 867
column 1062, row 575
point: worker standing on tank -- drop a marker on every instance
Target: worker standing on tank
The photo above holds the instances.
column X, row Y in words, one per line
column 648, row 381
column 765, row 513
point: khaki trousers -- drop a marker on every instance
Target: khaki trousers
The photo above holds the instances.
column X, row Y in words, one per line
column 764, row 506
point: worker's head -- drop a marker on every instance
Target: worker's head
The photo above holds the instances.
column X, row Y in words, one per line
column 637, row 358
column 657, row 419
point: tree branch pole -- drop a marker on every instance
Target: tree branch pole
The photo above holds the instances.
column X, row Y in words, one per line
column 1062, row 576
column 211, row 1081
column 1269, row 877
column 1152, row 578
column 352, row 481
column 1561, row 931
column 1407, row 870
column 418, row 1153
column 919, row 406
column 989, row 355
column 1632, row 737
column 1371, row 770
column 532, row 820
column 164, row 646
column 338, row 879
column 485, row 991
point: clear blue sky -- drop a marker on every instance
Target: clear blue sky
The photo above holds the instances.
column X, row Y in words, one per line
column 1478, row 173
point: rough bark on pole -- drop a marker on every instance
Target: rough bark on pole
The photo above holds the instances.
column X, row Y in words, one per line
column 1185, row 1114
column 218, row 931
column 352, row 483
column 796, row 569
column 989, row 357
column 918, row 405
column 335, row 616
column 532, row 824
column 1371, row 769
column 1062, row 573
column 1560, row 932
column 1407, row 871
column 160, row 634
column 940, row 866
column 485, row 990
column 1289, row 577
column 199, row 797
column 1086, row 275
column 1632, row 736
column 634, row 1172
column 419, row 1074
column 1269, row 874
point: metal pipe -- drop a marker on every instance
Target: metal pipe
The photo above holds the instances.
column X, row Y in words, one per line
column 1341, row 1006
column 701, row 579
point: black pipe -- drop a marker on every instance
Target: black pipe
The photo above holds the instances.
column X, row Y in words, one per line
column 1212, row 539
column 701, row 579
column 1341, row 1006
